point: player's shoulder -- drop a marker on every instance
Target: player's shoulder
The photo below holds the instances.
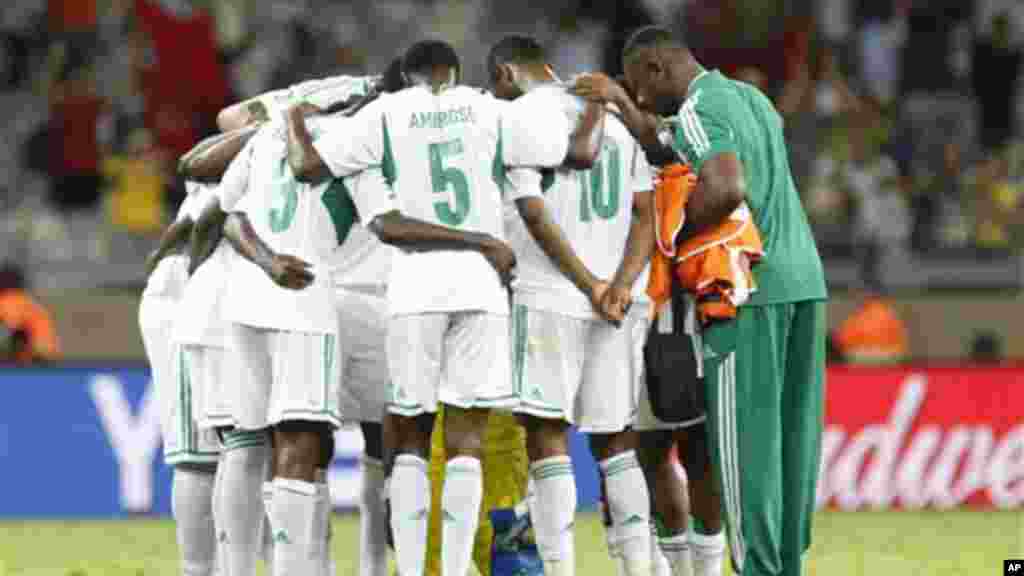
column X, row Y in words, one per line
column 617, row 132
column 712, row 92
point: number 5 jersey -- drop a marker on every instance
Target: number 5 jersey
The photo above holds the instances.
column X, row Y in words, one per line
column 444, row 155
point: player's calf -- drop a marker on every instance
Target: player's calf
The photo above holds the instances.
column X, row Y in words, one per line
column 666, row 482
column 707, row 540
column 300, row 504
column 373, row 521
column 669, row 497
column 545, row 437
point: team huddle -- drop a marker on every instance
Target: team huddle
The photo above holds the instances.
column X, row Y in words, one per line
column 371, row 250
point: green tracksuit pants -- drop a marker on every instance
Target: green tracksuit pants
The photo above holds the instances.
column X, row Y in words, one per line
column 765, row 375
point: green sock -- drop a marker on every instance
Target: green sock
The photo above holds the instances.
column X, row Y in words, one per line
column 661, row 530
column 698, row 527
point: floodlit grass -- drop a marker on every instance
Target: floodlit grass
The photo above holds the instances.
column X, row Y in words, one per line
column 846, row 544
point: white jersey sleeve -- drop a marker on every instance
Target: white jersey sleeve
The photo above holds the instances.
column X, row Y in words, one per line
column 642, row 174
column 275, row 102
column 321, row 92
column 536, row 130
column 348, row 145
column 326, row 92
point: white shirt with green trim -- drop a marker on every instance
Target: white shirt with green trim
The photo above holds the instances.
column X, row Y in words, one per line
column 322, row 93
column 305, row 221
column 445, row 156
column 593, row 207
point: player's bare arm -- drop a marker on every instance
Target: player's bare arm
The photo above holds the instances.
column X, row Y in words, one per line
column 639, row 246
column 642, row 125
column 305, row 161
column 207, row 161
column 721, row 188
column 242, row 114
column 174, row 238
column 415, row 235
column 551, row 239
column 206, row 234
column 585, row 141
column 286, row 271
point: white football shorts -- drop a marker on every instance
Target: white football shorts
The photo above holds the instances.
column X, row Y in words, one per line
column 578, row 370
column 362, row 329
column 283, row 376
column 211, row 367
column 458, row 358
column 184, row 441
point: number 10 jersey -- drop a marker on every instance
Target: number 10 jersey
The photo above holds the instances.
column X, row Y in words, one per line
column 593, row 207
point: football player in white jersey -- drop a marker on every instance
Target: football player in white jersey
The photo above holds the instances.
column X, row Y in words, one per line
column 189, row 450
column 444, row 149
column 287, row 339
column 238, row 506
column 242, row 465
column 571, row 366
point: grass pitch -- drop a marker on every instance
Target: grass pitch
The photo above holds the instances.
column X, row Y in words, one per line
column 956, row 543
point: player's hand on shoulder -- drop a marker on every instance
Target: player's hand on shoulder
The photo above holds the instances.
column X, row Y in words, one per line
column 290, row 272
column 502, row 259
column 598, row 87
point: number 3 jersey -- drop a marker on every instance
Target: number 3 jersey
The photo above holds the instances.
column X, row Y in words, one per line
column 444, row 155
column 301, row 220
column 593, row 207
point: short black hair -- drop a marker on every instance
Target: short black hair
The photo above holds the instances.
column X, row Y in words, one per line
column 515, row 49
column 649, row 36
column 392, row 80
column 422, row 57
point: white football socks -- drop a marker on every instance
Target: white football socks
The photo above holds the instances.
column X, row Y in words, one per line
column 660, row 565
column 630, row 509
column 267, row 537
column 323, row 530
column 708, row 553
column 192, row 507
column 244, row 461
column 460, row 513
column 218, row 519
column 410, row 511
column 298, row 544
column 679, row 553
column 373, row 539
column 553, row 512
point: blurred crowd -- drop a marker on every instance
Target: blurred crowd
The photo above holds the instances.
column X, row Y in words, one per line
column 902, row 114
